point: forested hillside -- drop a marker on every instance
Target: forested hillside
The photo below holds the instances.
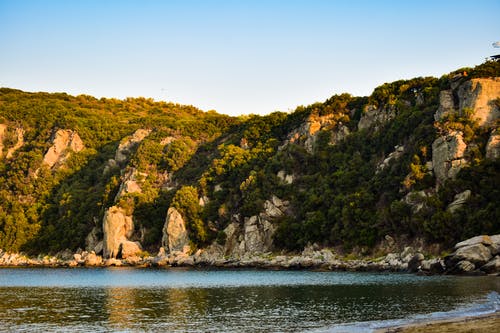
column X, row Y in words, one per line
column 418, row 158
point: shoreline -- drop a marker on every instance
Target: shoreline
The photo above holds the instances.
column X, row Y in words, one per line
column 482, row 323
column 325, row 259
column 262, row 261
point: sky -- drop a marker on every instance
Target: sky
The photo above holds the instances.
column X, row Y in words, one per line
column 238, row 57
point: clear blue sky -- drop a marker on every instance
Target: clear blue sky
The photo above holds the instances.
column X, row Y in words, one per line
column 237, row 57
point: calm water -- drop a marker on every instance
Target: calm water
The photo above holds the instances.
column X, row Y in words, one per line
column 130, row 300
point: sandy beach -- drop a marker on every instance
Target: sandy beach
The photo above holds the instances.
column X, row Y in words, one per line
column 478, row 324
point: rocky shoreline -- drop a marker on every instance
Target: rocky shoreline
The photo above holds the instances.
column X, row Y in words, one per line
column 476, row 256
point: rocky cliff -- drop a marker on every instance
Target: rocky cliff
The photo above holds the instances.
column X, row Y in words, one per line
column 475, row 99
column 64, row 142
column 418, row 159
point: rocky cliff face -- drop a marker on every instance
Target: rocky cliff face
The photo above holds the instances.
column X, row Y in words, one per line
column 493, row 145
column 448, row 155
column 255, row 233
column 306, row 134
column 175, row 235
column 64, row 142
column 374, row 117
column 118, row 227
column 477, row 99
column 130, row 142
column 478, row 95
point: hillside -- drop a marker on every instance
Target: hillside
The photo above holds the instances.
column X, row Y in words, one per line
column 418, row 160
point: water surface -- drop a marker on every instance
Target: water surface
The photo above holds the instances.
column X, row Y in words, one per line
column 176, row 300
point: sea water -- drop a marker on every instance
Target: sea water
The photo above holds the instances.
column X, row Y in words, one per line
column 180, row 300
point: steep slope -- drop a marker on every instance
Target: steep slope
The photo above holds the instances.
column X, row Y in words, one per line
column 416, row 160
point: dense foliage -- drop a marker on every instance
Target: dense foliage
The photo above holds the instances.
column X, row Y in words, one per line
column 340, row 195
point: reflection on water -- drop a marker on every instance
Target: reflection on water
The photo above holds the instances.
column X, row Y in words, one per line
column 221, row 301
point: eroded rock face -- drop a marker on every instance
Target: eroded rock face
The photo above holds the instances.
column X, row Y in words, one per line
column 375, row 117
column 307, row 133
column 92, row 240
column 126, row 145
column 64, row 142
column 459, row 200
column 117, row 228
column 396, row 154
column 448, row 155
column 493, row 145
column 417, row 199
column 258, row 234
column 477, row 95
column 175, row 235
column 132, row 180
column 339, row 133
column 446, row 105
column 255, row 233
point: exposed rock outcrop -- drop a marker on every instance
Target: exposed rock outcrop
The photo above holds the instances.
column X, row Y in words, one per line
column 129, row 143
column 477, row 95
column 446, row 104
column 307, row 133
column 285, row 178
column 132, row 181
column 374, row 117
column 459, row 201
column 64, row 142
column 339, row 133
column 448, row 156
column 493, row 145
column 175, row 235
column 255, row 234
column 117, row 228
column 417, row 199
column 476, row 99
column 396, row 154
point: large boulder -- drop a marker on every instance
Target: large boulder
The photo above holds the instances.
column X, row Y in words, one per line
column 477, row 254
column 63, row 143
column 117, row 228
column 492, row 266
column 175, row 234
column 480, row 251
column 415, row 262
column 129, row 249
column 463, row 266
column 483, row 239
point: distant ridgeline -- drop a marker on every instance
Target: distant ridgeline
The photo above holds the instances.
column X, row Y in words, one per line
column 418, row 159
